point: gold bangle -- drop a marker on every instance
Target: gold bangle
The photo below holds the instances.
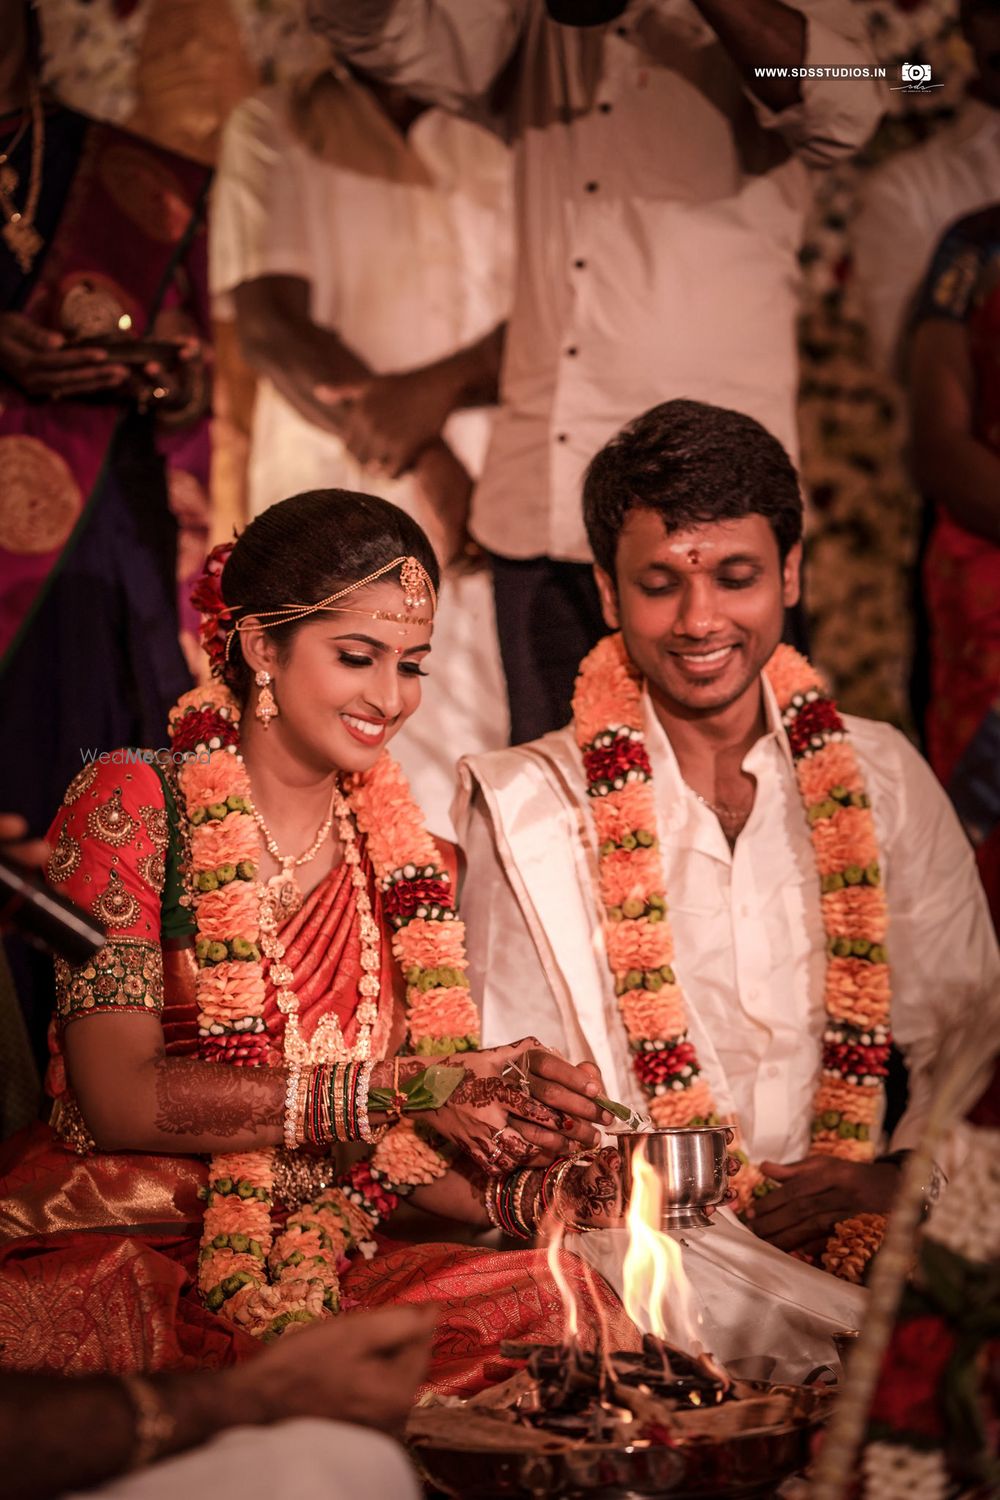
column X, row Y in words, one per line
column 490, row 1200
column 560, row 1173
column 291, row 1132
column 154, row 1425
column 518, row 1204
column 301, row 1100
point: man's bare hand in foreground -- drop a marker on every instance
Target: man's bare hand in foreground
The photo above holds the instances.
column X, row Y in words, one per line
column 59, row 1434
column 360, row 1367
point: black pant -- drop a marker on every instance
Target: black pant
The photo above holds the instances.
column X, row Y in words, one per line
column 548, row 618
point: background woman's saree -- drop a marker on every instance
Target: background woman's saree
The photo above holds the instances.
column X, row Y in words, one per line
column 98, row 1252
column 962, row 569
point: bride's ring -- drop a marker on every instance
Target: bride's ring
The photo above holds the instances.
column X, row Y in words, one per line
column 496, row 1146
column 512, row 1144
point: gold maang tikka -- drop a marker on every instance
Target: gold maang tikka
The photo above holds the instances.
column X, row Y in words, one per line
column 418, row 593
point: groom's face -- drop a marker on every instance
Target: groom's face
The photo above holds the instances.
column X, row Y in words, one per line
column 700, row 610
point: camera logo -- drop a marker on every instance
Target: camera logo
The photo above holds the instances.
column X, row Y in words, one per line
column 916, row 79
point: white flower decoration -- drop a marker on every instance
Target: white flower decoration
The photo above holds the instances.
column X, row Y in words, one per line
column 966, row 1218
column 892, row 1471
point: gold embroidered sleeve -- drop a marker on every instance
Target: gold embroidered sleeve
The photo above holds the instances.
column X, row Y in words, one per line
column 127, row 975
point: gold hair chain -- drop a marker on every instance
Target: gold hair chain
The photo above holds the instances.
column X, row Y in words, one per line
column 418, row 591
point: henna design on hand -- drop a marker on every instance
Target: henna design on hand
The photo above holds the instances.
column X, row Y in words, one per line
column 594, row 1192
column 480, row 1093
column 200, row 1098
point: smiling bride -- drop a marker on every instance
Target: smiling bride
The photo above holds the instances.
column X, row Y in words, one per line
column 277, row 1043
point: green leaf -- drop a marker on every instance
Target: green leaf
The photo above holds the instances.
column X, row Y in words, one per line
column 427, row 1090
column 629, row 1118
column 440, row 1080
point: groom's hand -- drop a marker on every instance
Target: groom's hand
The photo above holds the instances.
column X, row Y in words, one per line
column 568, row 1090
column 813, row 1195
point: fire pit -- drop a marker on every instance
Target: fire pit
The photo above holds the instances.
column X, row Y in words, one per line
column 571, row 1423
column 562, row 1420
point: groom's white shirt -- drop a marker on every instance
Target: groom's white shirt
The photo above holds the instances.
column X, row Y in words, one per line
column 748, row 931
column 751, row 957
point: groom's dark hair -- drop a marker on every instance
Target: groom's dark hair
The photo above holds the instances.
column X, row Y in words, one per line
column 692, row 464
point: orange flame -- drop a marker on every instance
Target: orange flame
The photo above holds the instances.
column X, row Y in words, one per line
column 657, row 1293
column 556, row 1236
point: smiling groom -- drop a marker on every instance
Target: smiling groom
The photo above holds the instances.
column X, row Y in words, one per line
column 721, row 891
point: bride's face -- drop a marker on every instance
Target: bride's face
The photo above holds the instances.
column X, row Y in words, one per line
column 350, row 682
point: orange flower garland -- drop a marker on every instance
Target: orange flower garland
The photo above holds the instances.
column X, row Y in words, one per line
column 429, row 941
column 260, row 1280
column 607, row 709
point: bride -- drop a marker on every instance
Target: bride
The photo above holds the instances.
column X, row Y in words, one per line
column 248, row 1077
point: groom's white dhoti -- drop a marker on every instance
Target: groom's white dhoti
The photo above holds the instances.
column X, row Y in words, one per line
column 751, row 957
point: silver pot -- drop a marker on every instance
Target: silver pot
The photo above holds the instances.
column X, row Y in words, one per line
column 691, row 1165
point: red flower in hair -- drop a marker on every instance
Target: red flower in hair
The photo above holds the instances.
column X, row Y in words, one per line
column 206, row 596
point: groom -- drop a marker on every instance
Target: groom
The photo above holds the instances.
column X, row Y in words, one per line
column 692, row 883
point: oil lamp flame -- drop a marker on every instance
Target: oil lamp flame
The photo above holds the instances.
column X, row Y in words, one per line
column 657, row 1294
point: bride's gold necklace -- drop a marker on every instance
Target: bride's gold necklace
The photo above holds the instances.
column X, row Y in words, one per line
column 285, row 892
column 19, row 232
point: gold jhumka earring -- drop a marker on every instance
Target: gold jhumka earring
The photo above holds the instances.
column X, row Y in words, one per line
column 266, row 709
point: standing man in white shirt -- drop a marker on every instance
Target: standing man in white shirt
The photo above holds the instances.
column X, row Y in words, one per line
column 908, row 204
column 361, row 240
column 661, row 190
column 694, row 883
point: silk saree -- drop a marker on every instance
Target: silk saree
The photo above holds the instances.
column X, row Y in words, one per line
column 962, row 568
column 98, row 1251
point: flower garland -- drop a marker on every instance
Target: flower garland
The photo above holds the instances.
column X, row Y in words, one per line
column 258, row 1278
column 607, row 709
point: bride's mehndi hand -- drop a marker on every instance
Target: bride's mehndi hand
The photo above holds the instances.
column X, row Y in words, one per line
column 494, row 1119
column 590, row 1193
